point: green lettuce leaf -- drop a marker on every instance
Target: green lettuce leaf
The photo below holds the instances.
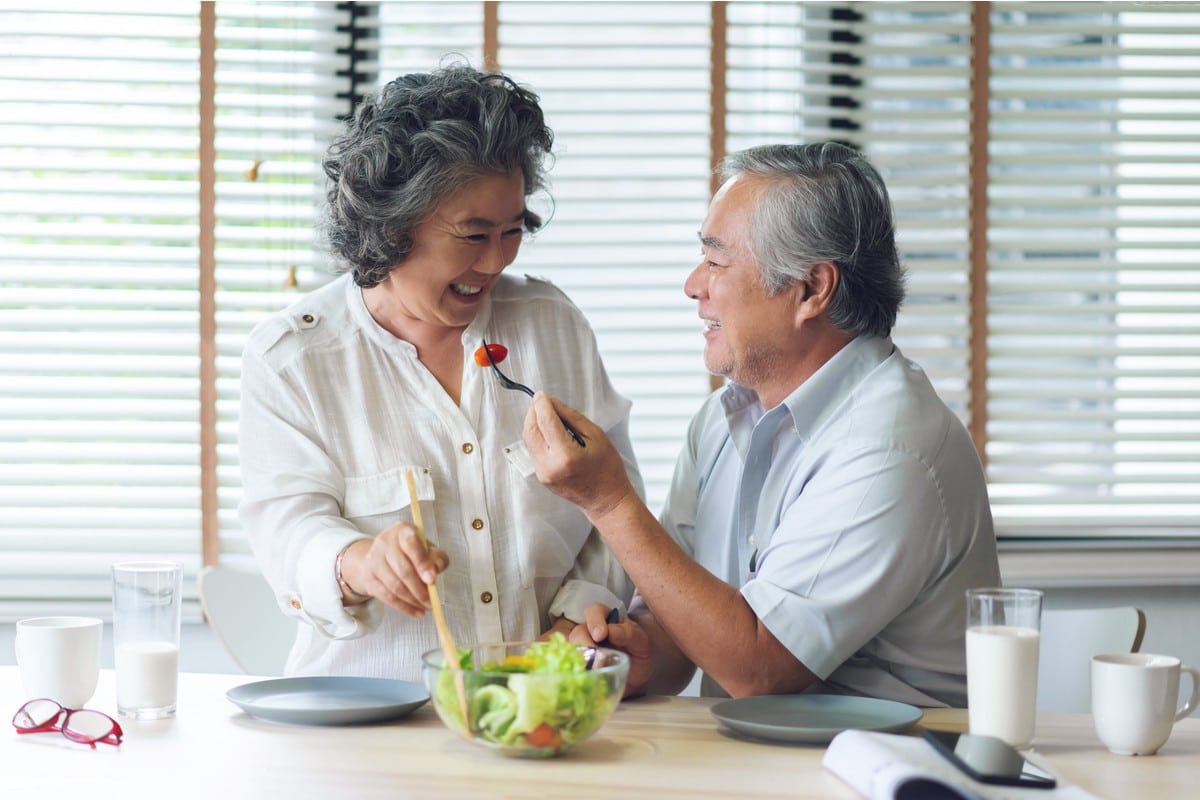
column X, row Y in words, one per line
column 574, row 704
column 493, row 708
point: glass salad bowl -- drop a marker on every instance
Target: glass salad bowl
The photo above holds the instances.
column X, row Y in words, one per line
column 530, row 699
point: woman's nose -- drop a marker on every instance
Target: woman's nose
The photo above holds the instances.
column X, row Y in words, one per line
column 496, row 257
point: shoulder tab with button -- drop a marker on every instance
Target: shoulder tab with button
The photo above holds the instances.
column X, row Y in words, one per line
column 304, row 321
column 283, row 336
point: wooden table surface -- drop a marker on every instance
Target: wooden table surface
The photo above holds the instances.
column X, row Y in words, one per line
column 657, row 747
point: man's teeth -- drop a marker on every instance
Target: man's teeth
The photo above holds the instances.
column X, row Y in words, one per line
column 711, row 324
column 461, row 288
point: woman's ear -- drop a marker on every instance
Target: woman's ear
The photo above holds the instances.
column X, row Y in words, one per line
column 816, row 293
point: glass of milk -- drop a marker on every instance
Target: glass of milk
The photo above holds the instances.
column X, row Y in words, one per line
column 1003, row 637
column 147, row 601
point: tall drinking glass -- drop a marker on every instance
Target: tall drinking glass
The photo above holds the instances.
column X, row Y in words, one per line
column 1003, row 638
column 147, row 601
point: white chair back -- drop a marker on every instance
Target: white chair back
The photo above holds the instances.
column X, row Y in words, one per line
column 1070, row 637
column 241, row 609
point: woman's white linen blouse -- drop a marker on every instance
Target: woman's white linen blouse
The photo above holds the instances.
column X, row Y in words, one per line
column 334, row 409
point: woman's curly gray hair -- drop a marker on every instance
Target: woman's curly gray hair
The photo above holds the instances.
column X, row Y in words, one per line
column 421, row 138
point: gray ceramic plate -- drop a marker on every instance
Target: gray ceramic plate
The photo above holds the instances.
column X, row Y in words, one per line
column 812, row 718
column 328, row 700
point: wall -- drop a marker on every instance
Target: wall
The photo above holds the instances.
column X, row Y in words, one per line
column 199, row 650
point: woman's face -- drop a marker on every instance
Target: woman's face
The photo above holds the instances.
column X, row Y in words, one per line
column 458, row 252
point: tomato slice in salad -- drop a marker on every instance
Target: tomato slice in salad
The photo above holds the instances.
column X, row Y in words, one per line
column 544, row 736
column 499, row 353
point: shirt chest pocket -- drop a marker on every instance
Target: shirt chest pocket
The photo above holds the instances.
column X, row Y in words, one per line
column 376, row 502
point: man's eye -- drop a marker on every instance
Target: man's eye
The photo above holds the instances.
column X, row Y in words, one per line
column 514, row 232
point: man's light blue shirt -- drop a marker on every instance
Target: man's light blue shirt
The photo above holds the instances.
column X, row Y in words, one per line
column 853, row 516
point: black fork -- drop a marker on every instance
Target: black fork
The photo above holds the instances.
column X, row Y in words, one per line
column 509, row 383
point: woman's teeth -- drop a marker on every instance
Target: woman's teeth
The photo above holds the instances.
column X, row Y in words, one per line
column 463, row 289
column 711, row 324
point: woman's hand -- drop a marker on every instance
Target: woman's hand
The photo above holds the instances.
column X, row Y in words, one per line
column 395, row 567
column 561, row 625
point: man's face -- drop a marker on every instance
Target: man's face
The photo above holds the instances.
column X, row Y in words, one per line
column 749, row 335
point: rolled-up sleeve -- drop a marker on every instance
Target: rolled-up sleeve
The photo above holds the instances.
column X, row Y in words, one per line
column 597, row 576
column 842, row 559
column 291, row 505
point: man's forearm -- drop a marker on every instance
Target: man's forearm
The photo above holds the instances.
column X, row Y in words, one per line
column 672, row 669
column 708, row 621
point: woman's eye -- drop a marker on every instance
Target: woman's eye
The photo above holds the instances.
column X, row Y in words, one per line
column 482, row 238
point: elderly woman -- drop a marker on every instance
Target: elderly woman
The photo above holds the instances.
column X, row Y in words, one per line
column 375, row 374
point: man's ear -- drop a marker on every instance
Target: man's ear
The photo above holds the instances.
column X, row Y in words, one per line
column 816, row 293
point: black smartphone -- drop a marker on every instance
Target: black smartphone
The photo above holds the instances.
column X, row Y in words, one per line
column 989, row 760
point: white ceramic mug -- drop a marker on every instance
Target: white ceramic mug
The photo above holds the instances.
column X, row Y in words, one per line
column 59, row 658
column 1134, row 698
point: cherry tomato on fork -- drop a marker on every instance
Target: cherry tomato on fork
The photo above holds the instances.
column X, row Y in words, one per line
column 499, row 353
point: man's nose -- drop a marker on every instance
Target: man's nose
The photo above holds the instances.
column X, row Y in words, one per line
column 693, row 285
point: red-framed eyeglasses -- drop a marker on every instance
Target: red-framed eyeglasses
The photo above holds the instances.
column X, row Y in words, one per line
column 81, row 725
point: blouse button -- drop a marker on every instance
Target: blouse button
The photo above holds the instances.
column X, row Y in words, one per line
column 468, row 448
column 477, row 524
column 486, row 597
column 307, row 318
column 295, row 604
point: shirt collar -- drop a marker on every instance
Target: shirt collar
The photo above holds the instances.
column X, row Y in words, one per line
column 810, row 403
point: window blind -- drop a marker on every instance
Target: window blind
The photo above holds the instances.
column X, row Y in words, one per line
column 1094, row 269
column 891, row 79
column 1093, row 421
column 99, row 310
column 1092, row 416
column 98, row 315
column 284, row 77
column 416, row 37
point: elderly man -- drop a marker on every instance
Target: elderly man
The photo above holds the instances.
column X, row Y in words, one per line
column 828, row 511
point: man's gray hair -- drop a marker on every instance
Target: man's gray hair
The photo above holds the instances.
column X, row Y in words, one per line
column 825, row 202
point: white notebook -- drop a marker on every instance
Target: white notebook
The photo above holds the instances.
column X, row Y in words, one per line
column 889, row 766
